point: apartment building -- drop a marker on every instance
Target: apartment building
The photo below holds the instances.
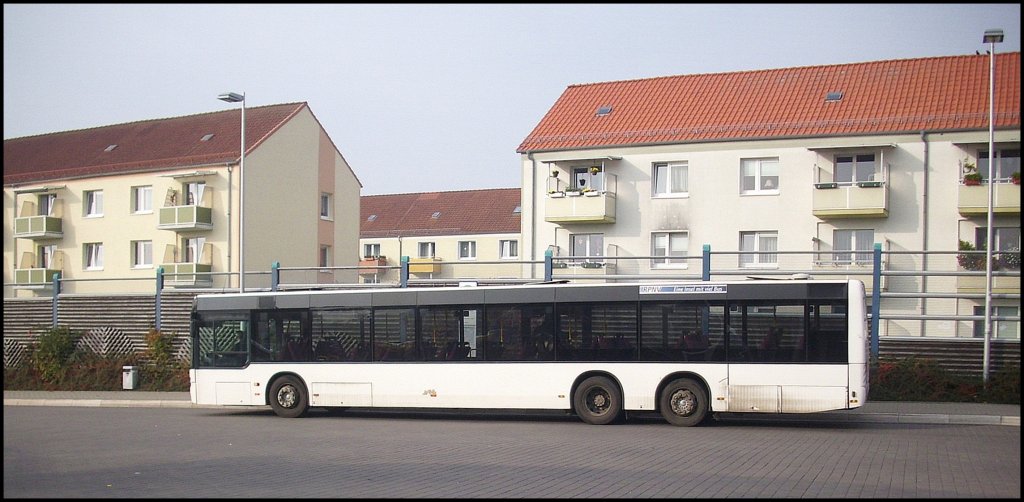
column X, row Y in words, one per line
column 104, row 208
column 637, row 175
column 448, row 236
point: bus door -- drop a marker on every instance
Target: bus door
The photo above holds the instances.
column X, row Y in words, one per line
column 282, row 336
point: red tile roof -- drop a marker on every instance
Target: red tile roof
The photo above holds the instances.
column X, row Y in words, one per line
column 147, row 145
column 882, row 97
column 489, row 211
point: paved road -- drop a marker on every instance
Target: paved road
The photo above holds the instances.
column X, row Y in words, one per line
column 54, row 451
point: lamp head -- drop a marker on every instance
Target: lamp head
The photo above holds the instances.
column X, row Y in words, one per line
column 234, row 97
column 993, row 36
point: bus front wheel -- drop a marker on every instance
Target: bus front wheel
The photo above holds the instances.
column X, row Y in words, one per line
column 288, row 397
column 683, row 403
column 597, row 401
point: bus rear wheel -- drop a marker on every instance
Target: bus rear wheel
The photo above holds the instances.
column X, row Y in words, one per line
column 597, row 401
column 288, row 397
column 683, row 403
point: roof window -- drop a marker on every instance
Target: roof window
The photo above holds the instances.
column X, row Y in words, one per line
column 833, row 96
column 371, row 217
column 436, row 215
column 110, row 148
column 604, row 110
column 207, row 137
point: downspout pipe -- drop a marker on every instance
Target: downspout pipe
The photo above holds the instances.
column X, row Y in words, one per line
column 533, row 213
column 924, row 226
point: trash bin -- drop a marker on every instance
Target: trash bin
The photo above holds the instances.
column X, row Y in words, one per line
column 129, row 377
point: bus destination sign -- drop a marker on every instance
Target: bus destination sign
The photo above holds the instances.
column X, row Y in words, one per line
column 683, row 289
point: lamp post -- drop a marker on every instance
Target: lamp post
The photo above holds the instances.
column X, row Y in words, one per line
column 992, row 37
column 234, row 97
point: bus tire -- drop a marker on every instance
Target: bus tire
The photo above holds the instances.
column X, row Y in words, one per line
column 683, row 403
column 288, row 397
column 597, row 401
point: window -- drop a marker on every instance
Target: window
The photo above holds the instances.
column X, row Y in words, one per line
column 596, row 332
column 519, row 333
column 371, row 250
column 855, row 168
column 509, row 249
column 1005, row 245
column 426, row 250
column 1007, row 163
column 588, row 245
column 94, row 203
column 142, row 199
column 1003, row 330
column 588, row 178
column 325, row 256
column 467, row 250
column 45, row 256
column 142, row 254
column 671, row 179
column 861, row 241
column 46, row 204
column 93, row 252
column 759, row 176
column 193, row 247
column 669, row 244
column 763, row 243
column 325, row 206
column 194, row 192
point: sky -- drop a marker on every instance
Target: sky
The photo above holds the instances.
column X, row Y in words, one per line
column 429, row 97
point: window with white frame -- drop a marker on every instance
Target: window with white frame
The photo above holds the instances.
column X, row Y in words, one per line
column 761, row 247
column 142, row 199
column 509, row 249
column 588, row 245
column 1005, row 245
column 670, row 179
column 47, row 201
column 93, row 254
column 325, row 256
column 94, row 203
column 371, row 250
column 588, row 178
column 759, row 176
column 853, row 246
column 45, row 256
column 467, row 250
column 426, row 249
column 1003, row 330
column 669, row 244
column 326, row 201
column 142, row 254
column 854, row 168
column 194, row 192
column 1007, row 162
column 193, row 247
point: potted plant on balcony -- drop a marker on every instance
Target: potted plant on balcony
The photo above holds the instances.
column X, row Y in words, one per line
column 1015, row 177
column 573, row 192
column 970, row 261
column 1009, row 259
column 971, row 175
column 595, row 170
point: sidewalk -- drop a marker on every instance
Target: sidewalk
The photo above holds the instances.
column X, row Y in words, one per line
column 873, row 411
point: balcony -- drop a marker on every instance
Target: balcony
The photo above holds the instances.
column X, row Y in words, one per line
column 865, row 199
column 972, row 200
column 424, row 265
column 371, row 266
column 185, row 218
column 34, row 278
column 38, row 227
column 568, row 205
column 181, row 274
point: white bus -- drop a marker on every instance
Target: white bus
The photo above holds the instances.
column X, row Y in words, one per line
column 683, row 349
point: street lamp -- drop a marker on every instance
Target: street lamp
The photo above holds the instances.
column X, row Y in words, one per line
column 992, row 37
column 234, row 97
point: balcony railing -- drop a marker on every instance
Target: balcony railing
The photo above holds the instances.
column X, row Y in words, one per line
column 38, row 227
column 187, row 274
column 370, row 266
column 424, row 265
column 856, row 200
column 185, row 218
column 973, row 199
column 34, row 278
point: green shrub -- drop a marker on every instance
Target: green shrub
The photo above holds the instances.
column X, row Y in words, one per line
column 922, row 379
column 52, row 352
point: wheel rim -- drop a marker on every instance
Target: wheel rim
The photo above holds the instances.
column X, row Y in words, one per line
column 287, row 396
column 598, row 401
column 683, row 402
